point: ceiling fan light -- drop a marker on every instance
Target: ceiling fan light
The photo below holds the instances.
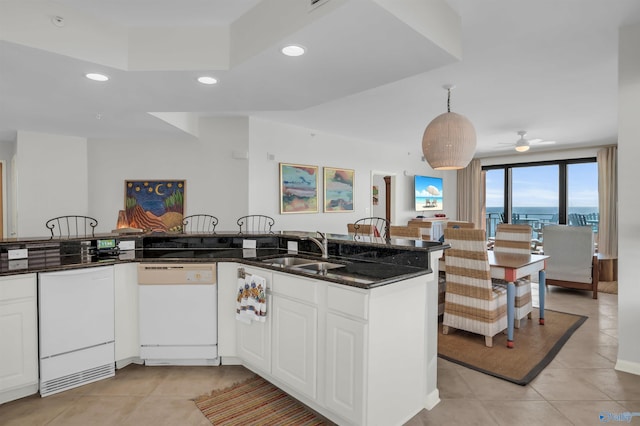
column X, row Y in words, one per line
column 522, row 146
column 449, row 142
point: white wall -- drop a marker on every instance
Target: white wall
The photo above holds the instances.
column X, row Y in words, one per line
column 7, row 154
column 60, row 175
column 51, row 179
column 629, row 204
column 215, row 182
column 290, row 144
column 532, row 157
column 380, row 210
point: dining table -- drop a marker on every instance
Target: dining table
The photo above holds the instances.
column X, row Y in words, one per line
column 510, row 267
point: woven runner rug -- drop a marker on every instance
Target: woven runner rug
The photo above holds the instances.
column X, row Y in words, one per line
column 535, row 347
column 255, row 401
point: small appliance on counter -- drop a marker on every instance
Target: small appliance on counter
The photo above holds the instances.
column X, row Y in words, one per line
column 107, row 249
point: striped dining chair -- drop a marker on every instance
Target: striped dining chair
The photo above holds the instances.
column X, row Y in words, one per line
column 472, row 302
column 516, row 239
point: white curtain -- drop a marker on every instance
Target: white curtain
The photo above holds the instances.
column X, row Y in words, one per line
column 608, row 201
column 470, row 190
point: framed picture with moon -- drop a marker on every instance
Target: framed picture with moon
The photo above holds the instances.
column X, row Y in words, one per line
column 155, row 205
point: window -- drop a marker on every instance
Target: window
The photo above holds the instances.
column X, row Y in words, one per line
column 564, row 191
column 494, row 198
column 582, row 194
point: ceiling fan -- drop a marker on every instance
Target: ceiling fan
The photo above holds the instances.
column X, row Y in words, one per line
column 523, row 145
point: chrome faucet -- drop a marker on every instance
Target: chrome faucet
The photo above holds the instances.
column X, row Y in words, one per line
column 324, row 246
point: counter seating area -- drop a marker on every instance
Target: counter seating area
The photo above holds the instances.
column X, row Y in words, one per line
column 72, row 226
column 370, row 226
column 199, row 224
column 256, row 223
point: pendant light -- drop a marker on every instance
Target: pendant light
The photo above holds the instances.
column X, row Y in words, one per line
column 449, row 141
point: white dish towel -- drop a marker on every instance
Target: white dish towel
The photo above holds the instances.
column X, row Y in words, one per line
column 251, row 301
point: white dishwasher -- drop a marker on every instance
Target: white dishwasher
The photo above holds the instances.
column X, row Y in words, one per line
column 178, row 314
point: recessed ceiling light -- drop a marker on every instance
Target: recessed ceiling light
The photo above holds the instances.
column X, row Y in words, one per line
column 96, row 77
column 207, row 80
column 293, row 50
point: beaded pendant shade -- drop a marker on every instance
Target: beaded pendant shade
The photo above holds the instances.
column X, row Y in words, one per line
column 449, row 141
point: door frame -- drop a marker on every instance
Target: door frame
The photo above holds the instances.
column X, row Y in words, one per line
column 394, row 191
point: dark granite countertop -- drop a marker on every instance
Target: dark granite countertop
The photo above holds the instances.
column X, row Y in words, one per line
column 368, row 262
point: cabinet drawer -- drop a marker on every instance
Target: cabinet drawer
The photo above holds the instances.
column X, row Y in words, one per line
column 347, row 301
column 17, row 287
column 295, row 287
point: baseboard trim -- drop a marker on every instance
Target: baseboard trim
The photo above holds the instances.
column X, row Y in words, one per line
column 432, row 399
column 131, row 360
column 628, row 367
column 230, row 360
column 21, row 392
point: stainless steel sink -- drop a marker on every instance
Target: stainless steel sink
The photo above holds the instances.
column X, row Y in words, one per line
column 301, row 264
column 319, row 266
column 289, row 261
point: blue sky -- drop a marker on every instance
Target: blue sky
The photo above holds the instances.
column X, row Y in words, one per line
column 538, row 186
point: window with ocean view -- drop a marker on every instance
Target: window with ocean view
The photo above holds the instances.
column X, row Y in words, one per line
column 564, row 191
column 582, row 194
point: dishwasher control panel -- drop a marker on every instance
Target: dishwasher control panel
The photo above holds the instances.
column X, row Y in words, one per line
column 199, row 276
column 176, row 273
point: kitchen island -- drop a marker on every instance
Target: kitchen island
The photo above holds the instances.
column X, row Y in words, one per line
column 356, row 343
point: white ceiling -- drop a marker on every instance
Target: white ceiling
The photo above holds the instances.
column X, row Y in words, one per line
column 548, row 67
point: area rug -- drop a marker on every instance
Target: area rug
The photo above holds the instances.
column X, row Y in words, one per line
column 255, row 401
column 535, row 347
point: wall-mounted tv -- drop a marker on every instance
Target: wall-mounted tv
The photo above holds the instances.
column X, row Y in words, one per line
column 428, row 193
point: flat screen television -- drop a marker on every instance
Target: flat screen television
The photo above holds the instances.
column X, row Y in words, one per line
column 428, row 193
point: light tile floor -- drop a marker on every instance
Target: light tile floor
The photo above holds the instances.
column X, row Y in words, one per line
column 574, row 389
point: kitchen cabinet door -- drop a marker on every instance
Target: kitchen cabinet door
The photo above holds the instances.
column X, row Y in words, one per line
column 345, row 356
column 127, row 339
column 18, row 337
column 227, row 293
column 295, row 335
column 253, row 340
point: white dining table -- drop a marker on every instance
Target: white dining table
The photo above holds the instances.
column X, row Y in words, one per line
column 510, row 267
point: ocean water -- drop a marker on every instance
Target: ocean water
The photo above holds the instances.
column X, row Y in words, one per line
column 546, row 211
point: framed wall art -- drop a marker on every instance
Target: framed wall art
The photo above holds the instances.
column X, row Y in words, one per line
column 338, row 189
column 298, row 188
column 428, row 193
column 155, row 205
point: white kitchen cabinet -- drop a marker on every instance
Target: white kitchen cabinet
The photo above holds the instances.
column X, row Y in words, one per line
column 227, row 293
column 295, row 333
column 253, row 340
column 127, row 339
column 345, row 367
column 357, row 356
column 18, row 337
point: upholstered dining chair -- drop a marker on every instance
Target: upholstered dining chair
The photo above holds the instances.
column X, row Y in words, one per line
column 425, row 227
column 255, row 223
column 472, row 302
column 71, row 226
column 371, row 226
column 199, row 224
column 410, row 232
column 460, row 224
column 516, row 239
